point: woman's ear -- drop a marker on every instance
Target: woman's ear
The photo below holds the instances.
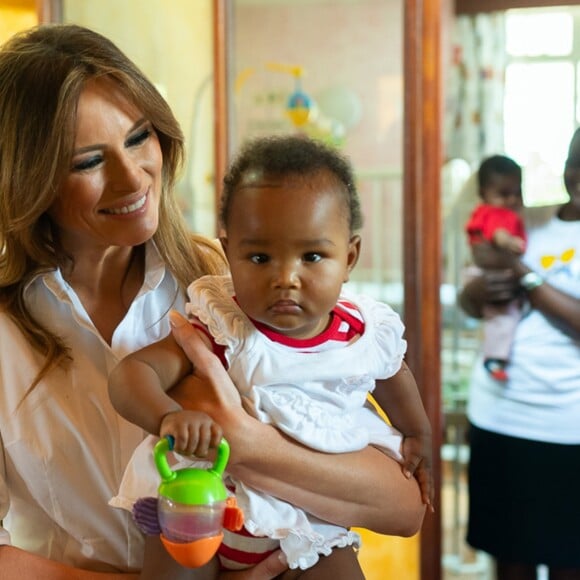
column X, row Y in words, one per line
column 353, row 254
column 224, row 242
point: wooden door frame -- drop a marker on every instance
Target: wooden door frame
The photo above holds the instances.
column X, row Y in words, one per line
column 421, row 208
column 222, row 22
column 422, row 157
column 49, row 11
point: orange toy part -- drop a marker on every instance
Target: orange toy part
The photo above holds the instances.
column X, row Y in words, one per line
column 233, row 515
column 193, row 554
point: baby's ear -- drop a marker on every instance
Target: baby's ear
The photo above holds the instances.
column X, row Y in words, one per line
column 353, row 254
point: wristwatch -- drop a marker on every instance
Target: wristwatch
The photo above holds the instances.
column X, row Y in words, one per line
column 530, row 281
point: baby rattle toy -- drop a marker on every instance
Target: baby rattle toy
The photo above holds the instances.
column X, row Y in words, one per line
column 191, row 509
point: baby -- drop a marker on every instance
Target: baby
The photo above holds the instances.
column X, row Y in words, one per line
column 302, row 351
column 497, row 221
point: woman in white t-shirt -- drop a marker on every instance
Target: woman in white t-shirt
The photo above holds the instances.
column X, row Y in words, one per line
column 525, row 433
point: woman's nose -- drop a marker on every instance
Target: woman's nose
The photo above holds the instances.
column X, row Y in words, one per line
column 126, row 174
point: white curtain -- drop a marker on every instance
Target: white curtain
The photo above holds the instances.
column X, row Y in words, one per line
column 474, row 106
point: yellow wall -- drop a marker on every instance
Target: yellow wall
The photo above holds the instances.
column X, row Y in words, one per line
column 389, row 557
column 16, row 15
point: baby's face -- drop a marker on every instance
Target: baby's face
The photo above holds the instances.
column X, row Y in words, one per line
column 503, row 191
column 290, row 249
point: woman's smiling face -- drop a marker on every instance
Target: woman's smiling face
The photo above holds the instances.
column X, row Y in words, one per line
column 111, row 194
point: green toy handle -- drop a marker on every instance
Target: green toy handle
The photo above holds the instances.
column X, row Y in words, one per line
column 222, row 458
column 166, row 444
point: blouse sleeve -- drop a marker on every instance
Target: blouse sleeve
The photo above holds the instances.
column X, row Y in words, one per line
column 4, row 498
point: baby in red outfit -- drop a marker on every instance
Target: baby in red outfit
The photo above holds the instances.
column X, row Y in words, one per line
column 497, row 220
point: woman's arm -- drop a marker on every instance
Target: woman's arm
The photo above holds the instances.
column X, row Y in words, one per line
column 562, row 308
column 159, row 565
column 16, row 563
column 503, row 284
column 491, row 286
column 364, row 488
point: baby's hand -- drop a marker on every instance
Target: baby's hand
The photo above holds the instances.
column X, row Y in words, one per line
column 505, row 240
column 417, row 462
column 194, row 432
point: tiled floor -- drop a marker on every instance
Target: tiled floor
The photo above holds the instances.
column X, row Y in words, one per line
column 460, row 562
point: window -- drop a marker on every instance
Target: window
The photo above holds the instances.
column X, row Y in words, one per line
column 541, row 102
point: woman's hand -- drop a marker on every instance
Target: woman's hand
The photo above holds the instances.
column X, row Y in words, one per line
column 219, row 392
column 211, row 390
column 491, row 286
column 488, row 256
column 16, row 563
column 267, row 569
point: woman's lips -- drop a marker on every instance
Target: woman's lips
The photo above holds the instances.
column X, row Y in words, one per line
column 129, row 208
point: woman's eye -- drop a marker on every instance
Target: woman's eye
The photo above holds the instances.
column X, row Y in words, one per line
column 87, row 163
column 312, row 257
column 139, row 138
column 259, row 258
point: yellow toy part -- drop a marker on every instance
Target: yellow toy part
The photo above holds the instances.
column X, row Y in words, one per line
column 299, row 107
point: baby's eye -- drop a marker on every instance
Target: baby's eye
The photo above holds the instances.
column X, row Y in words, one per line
column 312, row 257
column 259, row 258
column 87, row 163
column 139, row 137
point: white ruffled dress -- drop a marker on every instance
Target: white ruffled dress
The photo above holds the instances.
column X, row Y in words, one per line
column 317, row 398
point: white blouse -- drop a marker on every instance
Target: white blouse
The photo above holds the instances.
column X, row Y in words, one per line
column 63, row 448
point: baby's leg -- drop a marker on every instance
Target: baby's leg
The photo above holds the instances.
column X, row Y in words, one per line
column 342, row 564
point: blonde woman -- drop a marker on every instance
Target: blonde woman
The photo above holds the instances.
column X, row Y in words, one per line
column 93, row 255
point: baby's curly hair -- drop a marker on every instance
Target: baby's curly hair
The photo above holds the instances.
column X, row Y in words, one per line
column 282, row 155
column 497, row 165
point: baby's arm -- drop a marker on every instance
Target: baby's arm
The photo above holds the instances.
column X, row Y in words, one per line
column 506, row 241
column 399, row 398
column 137, row 388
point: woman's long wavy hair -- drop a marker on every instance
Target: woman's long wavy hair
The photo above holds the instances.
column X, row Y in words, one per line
column 42, row 73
